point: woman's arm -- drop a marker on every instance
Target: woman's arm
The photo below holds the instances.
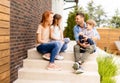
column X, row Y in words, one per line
column 39, row 38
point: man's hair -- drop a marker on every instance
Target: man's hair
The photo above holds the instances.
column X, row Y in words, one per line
column 81, row 14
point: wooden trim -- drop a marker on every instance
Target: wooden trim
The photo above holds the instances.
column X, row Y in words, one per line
column 5, row 3
column 4, row 68
column 4, row 75
column 4, row 39
column 4, row 17
column 4, row 60
column 4, row 9
column 4, row 32
column 4, row 53
column 4, row 46
column 4, row 24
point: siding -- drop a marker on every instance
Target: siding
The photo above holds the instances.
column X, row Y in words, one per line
column 4, row 41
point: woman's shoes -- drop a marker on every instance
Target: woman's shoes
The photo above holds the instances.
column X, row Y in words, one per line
column 53, row 67
column 46, row 56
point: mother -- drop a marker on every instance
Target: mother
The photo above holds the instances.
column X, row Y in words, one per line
column 43, row 38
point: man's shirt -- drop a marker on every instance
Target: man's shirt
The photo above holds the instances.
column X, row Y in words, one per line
column 78, row 29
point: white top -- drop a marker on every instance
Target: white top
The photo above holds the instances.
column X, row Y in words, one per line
column 89, row 33
column 56, row 32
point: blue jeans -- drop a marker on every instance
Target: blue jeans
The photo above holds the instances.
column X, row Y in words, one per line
column 52, row 47
column 64, row 46
column 89, row 41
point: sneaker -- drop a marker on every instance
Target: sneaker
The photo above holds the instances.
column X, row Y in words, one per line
column 76, row 66
column 79, row 71
column 46, row 56
column 59, row 57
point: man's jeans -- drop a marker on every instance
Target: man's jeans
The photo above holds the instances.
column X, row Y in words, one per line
column 90, row 49
column 52, row 47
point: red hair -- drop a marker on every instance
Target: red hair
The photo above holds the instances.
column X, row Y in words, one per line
column 45, row 17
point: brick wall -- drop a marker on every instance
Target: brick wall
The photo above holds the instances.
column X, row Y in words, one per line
column 4, row 41
column 24, row 20
column 108, row 36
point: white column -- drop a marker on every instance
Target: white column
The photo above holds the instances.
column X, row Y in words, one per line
column 57, row 6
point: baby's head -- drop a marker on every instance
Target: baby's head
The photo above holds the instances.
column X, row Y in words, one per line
column 90, row 24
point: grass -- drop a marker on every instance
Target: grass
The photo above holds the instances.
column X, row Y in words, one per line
column 107, row 69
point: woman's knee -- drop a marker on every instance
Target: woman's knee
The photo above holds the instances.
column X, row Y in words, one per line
column 57, row 44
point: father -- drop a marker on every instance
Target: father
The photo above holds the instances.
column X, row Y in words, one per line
column 79, row 27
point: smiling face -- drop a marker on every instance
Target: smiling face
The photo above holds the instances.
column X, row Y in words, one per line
column 79, row 19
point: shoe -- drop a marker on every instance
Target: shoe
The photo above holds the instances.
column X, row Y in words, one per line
column 76, row 66
column 79, row 71
column 53, row 67
column 46, row 56
column 80, row 62
column 59, row 57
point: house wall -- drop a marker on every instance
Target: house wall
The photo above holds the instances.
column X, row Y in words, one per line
column 25, row 16
column 4, row 41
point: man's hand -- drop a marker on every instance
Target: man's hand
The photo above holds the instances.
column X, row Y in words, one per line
column 81, row 33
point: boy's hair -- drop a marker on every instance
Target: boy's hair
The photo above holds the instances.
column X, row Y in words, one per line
column 91, row 22
column 81, row 14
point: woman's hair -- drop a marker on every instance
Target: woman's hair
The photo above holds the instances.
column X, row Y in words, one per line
column 91, row 22
column 45, row 17
column 56, row 18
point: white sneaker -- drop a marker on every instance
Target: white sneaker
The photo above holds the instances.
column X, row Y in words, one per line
column 79, row 71
column 59, row 57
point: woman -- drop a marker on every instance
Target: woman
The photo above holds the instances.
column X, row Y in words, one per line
column 45, row 46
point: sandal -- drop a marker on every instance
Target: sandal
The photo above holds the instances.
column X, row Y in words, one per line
column 53, row 67
column 46, row 56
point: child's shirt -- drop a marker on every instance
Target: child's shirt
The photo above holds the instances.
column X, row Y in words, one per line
column 89, row 33
column 56, row 32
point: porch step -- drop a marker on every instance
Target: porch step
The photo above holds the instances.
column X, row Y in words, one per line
column 34, row 69
column 65, row 64
column 33, row 54
column 39, row 81
column 40, row 74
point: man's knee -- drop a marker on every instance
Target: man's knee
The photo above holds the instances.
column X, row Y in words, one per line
column 76, row 48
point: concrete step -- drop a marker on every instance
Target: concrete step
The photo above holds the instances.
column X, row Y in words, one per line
column 39, row 81
column 40, row 74
column 65, row 64
column 33, row 54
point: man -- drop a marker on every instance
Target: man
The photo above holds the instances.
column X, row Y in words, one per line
column 78, row 28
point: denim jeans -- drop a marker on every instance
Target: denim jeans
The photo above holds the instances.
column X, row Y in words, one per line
column 52, row 47
column 64, row 46
column 89, row 41
column 90, row 49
